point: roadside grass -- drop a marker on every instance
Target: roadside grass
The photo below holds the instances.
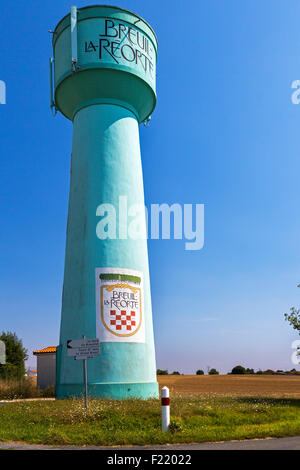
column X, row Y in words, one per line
column 12, row 389
column 137, row 422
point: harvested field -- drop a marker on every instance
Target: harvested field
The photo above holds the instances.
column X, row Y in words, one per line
column 238, row 385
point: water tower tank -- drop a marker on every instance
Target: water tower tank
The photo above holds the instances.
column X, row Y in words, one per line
column 104, row 82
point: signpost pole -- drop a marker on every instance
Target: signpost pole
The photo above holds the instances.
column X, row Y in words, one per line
column 85, row 380
column 81, row 350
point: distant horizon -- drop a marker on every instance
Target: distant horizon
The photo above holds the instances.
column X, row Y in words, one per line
column 29, row 365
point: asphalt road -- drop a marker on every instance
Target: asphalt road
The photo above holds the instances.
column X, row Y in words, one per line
column 285, row 443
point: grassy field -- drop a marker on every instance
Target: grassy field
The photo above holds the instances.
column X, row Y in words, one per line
column 203, row 408
column 194, row 419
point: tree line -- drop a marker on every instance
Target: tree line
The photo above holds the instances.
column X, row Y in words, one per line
column 237, row 370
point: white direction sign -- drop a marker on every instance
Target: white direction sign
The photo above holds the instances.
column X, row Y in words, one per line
column 83, row 348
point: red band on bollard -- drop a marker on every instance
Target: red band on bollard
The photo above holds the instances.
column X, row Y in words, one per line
column 165, row 401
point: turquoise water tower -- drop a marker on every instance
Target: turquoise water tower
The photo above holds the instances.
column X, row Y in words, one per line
column 104, row 81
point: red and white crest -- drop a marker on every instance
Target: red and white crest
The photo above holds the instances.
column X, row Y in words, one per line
column 121, row 305
column 123, row 321
column 121, row 308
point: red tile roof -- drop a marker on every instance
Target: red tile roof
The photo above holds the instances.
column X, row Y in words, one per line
column 49, row 349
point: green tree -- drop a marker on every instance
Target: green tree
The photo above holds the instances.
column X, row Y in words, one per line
column 175, row 372
column 16, row 356
column 293, row 317
column 268, row 372
column 249, row 371
column 162, row 372
column 213, row 372
column 238, row 370
column 200, row 372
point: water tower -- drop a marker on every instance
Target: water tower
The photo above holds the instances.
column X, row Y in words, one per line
column 104, row 82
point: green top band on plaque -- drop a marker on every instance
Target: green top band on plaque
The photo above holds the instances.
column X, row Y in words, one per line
column 120, row 277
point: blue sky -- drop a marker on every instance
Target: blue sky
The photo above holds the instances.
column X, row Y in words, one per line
column 224, row 133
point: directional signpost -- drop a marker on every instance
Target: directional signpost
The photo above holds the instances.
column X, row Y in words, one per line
column 83, row 349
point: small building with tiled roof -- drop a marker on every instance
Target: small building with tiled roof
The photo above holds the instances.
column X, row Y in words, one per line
column 46, row 366
column 49, row 349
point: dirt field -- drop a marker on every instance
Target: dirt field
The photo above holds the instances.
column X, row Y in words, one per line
column 245, row 385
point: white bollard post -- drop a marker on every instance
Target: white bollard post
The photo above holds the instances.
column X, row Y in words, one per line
column 165, row 409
